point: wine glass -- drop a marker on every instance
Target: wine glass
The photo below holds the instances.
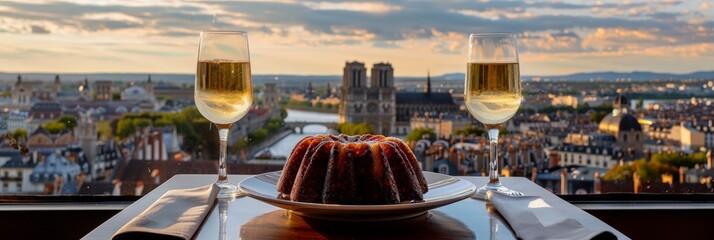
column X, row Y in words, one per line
column 224, row 91
column 492, row 93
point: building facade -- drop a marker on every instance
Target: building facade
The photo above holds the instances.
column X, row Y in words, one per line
column 373, row 104
column 381, row 106
column 271, row 96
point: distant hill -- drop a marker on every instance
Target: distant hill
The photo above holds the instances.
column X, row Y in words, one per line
column 634, row 76
column 602, row 76
column 73, row 77
column 297, row 80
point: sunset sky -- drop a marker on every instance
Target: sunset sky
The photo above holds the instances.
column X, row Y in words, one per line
column 317, row 37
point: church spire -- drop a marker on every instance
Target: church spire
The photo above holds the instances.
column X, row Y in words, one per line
column 58, row 85
column 427, row 87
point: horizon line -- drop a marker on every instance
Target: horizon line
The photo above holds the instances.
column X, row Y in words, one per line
column 329, row 75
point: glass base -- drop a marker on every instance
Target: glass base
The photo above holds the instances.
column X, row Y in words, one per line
column 496, row 187
column 227, row 189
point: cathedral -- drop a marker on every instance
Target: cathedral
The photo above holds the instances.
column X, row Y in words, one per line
column 380, row 105
column 374, row 103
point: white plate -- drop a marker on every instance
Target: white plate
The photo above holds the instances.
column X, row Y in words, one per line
column 443, row 190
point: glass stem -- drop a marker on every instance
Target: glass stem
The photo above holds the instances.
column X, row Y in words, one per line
column 223, row 138
column 493, row 165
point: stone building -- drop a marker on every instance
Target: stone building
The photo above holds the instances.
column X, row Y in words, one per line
column 623, row 125
column 23, row 92
column 620, row 138
column 271, row 96
column 410, row 104
column 104, row 90
column 374, row 103
column 380, row 105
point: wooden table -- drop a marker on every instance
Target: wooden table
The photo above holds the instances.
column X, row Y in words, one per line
column 248, row 218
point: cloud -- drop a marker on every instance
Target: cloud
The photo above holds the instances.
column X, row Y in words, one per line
column 367, row 7
column 578, row 28
column 36, row 29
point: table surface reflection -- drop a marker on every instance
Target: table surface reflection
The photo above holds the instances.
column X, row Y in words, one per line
column 248, row 218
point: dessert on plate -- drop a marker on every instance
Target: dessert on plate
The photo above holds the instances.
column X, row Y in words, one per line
column 362, row 169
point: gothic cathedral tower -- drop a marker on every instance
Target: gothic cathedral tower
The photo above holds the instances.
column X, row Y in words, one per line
column 373, row 104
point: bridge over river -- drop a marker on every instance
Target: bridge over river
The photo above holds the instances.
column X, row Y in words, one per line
column 300, row 125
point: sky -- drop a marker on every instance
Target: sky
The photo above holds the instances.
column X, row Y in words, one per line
column 318, row 37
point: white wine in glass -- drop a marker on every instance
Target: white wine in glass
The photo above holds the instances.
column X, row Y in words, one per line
column 224, row 91
column 492, row 93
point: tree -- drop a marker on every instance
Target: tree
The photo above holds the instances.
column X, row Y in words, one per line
column 104, row 130
column 659, row 164
column 55, row 127
column 640, row 103
column 469, row 130
column 680, row 160
column 283, row 112
column 141, row 123
column 208, row 137
column 241, row 144
column 419, row 133
column 257, row 136
column 619, row 173
column 273, row 124
column 19, row 134
column 69, row 121
column 125, row 128
column 162, row 122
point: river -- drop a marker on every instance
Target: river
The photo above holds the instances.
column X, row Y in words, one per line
column 285, row 145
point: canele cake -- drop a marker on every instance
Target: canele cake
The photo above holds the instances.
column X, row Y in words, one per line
column 362, row 169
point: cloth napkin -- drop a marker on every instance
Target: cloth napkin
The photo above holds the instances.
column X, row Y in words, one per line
column 176, row 215
column 532, row 218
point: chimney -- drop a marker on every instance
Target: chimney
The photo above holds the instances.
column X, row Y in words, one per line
column 597, row 188
column 563, row 181
column 534, row 173
column 636, row 182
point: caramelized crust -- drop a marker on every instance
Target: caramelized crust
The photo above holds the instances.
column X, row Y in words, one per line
column 362, row 169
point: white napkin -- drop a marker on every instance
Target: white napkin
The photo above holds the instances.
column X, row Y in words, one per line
column 176, row 215
column 533, row 218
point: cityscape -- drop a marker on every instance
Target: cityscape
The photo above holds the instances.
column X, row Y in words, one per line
column 573, row 134
column 97, row 97
column 122, row 118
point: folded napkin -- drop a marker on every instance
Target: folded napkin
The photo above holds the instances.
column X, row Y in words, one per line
column 532, row 218
column 176, row 215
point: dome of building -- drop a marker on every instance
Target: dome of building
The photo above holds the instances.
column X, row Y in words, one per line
column 134, row 93
column 613, row 124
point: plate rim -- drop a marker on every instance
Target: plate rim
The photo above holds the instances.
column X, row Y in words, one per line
column 456, row 196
